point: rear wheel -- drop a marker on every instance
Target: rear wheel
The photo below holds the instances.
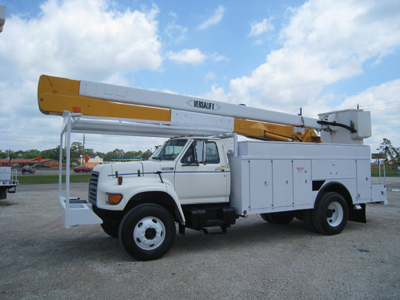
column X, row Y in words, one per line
column 284, row 217
column 330, row 214
column 147, row 231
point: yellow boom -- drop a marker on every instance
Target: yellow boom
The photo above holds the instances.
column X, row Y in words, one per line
column 56, row 95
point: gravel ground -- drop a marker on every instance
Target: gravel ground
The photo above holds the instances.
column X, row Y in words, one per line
column 40, row 259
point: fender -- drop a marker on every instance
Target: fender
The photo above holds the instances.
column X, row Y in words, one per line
column 159, row 187
column 171, row 192
column 338, row 187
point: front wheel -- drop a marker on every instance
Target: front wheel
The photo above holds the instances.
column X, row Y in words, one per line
column 330, row 214
column 147, row 231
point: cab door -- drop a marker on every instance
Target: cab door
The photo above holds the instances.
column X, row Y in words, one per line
column 201, row 180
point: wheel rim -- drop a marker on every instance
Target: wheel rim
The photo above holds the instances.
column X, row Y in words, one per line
column 149, row 233
column 334, row 214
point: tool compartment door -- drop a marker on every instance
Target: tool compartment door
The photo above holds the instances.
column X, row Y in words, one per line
column 302, row 182
column 283, row 183
column 260, row 184
column 363, row 180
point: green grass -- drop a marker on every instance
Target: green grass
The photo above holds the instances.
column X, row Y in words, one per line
column 389, row 173
column 32, row 179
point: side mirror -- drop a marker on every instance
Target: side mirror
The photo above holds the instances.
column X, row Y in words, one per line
column 201, row 152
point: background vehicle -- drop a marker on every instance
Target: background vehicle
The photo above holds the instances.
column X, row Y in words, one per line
column 204, row 177
column 28, row 170
column 82, row 169
column 8, row 181
column 40, row 166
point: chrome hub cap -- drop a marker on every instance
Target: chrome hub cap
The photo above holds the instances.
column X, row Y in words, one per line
column 149, row 233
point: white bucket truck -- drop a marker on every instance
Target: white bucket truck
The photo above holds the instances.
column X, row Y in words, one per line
column 203, row 177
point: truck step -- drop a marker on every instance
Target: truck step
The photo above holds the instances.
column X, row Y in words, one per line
column 209, row 216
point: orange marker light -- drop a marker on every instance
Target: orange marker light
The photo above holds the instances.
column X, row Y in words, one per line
column 114, row 199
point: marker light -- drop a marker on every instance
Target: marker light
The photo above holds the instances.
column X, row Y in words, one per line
column 114, row 199
column 120, row 180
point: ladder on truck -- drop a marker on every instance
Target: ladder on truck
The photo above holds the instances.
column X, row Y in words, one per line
column 79, row 212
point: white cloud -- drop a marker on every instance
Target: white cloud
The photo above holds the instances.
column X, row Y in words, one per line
column 259, row 28
column 191, row 56
column 210, row 76
column 74, row 39
column 218, row 57
column 324, row 42
column 81, row 38
column 383, row 103
column 176, row 32
column 214, row 19
column 216, row 93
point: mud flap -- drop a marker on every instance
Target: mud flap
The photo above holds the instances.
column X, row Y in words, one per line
column 357, row 213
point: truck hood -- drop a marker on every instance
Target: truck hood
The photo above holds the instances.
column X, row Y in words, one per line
column 131, row 168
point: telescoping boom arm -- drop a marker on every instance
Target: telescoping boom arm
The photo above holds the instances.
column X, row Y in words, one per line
column 56, row 95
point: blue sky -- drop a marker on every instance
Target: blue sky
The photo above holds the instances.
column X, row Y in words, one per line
column 279, row 55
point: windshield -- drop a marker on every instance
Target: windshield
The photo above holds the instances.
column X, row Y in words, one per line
column 170, row 150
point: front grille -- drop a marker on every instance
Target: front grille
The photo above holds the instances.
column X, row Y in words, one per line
column 94, row 179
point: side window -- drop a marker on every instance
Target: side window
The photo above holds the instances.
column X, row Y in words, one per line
column 212, row 153
column 189, row 156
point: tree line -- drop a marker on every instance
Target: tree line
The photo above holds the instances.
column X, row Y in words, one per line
column 77, row 150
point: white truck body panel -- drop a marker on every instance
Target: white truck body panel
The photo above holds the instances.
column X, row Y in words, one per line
column 5, row 173
column 271, row 177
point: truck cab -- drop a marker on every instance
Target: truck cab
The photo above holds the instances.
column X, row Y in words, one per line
column 190, row 170
column 188, row 178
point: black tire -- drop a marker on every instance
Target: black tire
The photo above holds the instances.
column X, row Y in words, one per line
column 147, row 231
column 266, row 218
column 283, row 217
column 307, row 218
column 330, row 214
column 111, row 227
column 3, row 193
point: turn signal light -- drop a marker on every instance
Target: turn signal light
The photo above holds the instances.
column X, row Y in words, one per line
column 114, row 199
